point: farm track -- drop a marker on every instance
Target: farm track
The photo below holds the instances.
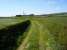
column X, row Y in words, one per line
column 23, row 44
column 39, row 38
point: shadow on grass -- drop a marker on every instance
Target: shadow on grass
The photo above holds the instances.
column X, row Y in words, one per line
column 10, row 35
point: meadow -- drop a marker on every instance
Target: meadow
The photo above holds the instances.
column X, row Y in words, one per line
column 44, row 33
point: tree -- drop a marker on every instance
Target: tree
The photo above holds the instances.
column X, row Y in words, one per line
column 31, row 14
column 18, row 15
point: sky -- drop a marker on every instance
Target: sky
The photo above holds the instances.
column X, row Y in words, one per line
column 16, row 7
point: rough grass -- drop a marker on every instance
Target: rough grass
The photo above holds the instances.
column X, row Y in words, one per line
column 46, row 33
column 11, row 36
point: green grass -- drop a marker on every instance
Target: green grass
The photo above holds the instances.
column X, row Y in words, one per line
column 46, row 33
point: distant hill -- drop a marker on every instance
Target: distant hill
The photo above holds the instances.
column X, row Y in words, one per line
column 63, row 14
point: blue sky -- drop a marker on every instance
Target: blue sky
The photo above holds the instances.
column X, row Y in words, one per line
column 13, row 7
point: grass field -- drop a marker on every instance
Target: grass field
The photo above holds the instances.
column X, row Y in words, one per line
column 45, row 33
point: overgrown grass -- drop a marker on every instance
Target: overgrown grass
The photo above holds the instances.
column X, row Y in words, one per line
column 47, row 33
